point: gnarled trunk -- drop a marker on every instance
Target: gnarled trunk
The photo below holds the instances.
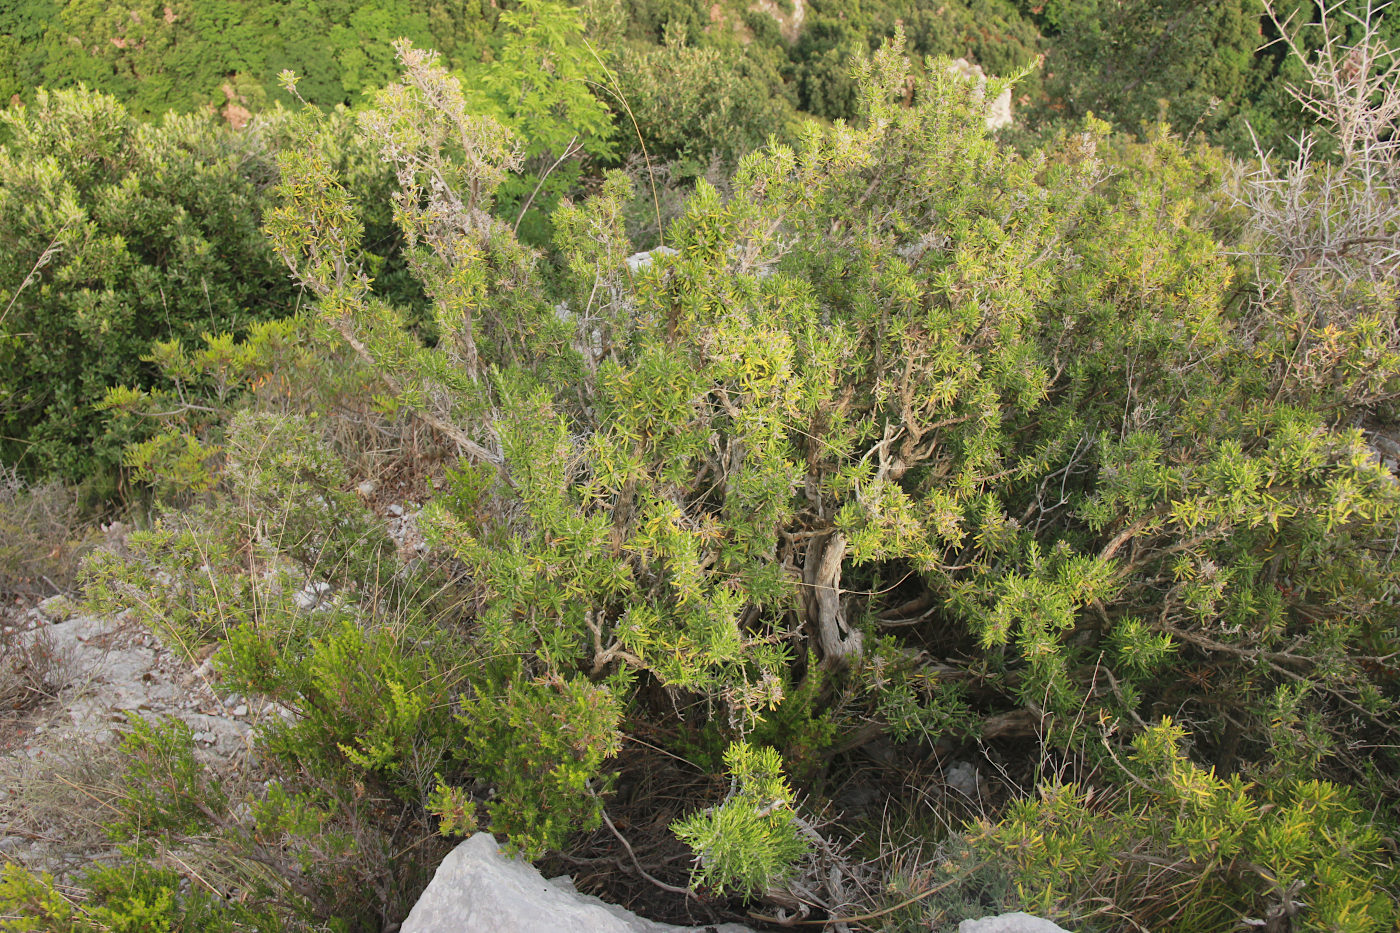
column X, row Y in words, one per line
column 821, row 576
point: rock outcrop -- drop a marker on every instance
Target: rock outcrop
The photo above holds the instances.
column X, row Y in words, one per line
column 789, row 21
column 100, row 670
column 639, row 262
column 478, row 889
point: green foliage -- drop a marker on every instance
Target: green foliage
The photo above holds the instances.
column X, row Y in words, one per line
column 22, row 49
column 127, row 897
column 113, row 235
column 136, row 898
column 188, row 55
column 750, row 842
column 539, row 81
column 992, row 33
column 366, row 722
column 454, row 808
column 695, row 102
column 166, row 790
column 905, row 431
column 363, row 705
column 175, row 580
column 892, row 351
column 542, row 82
column 542, row 744
column 802, row 726
column 1301, row 849
column 1218, row 69
column 282, row 472
column 1149, row 60
column 649, row 20
column 913, row 701
column 1212, row 68
column 30, row 902
column 362, row 702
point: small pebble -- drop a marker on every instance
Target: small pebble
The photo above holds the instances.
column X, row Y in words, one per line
column 240, row 710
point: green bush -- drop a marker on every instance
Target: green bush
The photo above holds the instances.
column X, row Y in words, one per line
column 130, row 897
column 115, row 234
column 991, row 33
column 1303, row 850
column 895, row 350
column 906, row 432
column 750, row 842
column 1149, row 60
column 695, row 102
column 191, row 55
column 165, row 789
column 541, row 83
column 550, row 787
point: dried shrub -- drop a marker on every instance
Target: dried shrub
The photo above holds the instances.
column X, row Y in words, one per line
column 45, row 531
column 32, row 671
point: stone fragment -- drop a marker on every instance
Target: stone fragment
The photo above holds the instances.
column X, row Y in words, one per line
column 639, row 261
column 999, row 110
column 57, row 609
column 477, row 889
column 316, row 595
column 1017, row 922
column 963, row 777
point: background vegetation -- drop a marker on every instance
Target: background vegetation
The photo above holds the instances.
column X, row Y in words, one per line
column 1064, row 455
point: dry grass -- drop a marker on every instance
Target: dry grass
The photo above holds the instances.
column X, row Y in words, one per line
column 32, row 671
column 1328, row 220
column 44, row 536
column 57, row 805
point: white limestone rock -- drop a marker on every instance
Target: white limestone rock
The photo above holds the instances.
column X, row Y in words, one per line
column 477, row 889
column 998, row 110
column 316, row 595
column 1010, row 923
column 639, row 261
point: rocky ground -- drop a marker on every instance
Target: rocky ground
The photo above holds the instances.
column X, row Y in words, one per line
column 79, row 677
column 68, row 682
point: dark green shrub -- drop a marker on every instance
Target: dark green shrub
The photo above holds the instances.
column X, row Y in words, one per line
column 113, row 235
column 695, row 102
column 1148, row 60
column 551, row 787
column 991, row 33
column 191, row 55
